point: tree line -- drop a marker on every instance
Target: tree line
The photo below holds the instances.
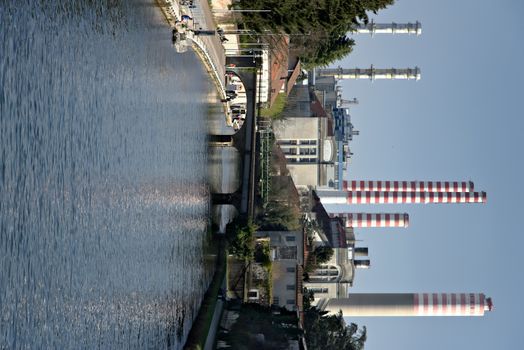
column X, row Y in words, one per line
column 317, row 28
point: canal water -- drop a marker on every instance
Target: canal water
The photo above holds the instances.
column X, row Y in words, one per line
column 103, row 177
column 224, row 177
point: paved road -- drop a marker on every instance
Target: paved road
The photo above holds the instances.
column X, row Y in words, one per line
column 203, row 19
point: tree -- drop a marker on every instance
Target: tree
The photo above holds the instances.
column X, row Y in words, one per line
column 241, row 239
column 324, row 331
column 279, row 216
column 323, row 254
column 317, row 28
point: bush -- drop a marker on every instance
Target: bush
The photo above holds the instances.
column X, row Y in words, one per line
column 241, row 241
column 323, row 254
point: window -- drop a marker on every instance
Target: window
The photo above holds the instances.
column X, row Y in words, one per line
column 287, row 142
column 290, row 238
column 307, row 160
column 308, row 142
column 308, row 151
column 290, row 287
column 290, row 301
column 317, row 290
column 291, row 269
column 287, row 252
column 290, row 151
column 276, row 300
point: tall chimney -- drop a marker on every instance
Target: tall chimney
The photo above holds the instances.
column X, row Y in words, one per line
column 371, row 73
column 389, row 28
column 375, row 197
column 409, row 304
column 409, row 186
column 374, row 219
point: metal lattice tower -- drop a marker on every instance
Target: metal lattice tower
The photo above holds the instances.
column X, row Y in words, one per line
column 371, row 73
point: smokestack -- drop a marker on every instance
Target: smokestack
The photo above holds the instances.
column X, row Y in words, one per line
column 409, row 304
column 389, row 28
column 375, row 219
column 371, row 73
column 375, row 197
column 409, row 186
column 362, row 264
column 360, row 252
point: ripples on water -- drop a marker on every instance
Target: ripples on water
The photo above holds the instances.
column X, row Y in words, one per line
column 102, row 177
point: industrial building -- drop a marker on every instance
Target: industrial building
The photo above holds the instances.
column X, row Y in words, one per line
column 315, row 138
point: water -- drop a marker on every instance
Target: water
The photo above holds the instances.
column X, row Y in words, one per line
column 224, row 177
column 103, row 195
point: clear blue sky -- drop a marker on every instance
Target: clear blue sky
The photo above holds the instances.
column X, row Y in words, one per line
column 462, row 121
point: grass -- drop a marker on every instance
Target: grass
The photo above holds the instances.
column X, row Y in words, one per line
column 196, row 339
column 276, row 110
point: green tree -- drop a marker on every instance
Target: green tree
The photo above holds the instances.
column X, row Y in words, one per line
column 317, row 28
column 324, row 331
column 279, row 216
column 323, row 254
column 241, row 241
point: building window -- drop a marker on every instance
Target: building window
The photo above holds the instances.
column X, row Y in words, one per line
column 289, row 151
column 307, row 160
column 318, row 290
column 290, row 301
column 308, row 142
column 308, row 151
column 287, row 142
column 276, row 300
column 290, row 238
column 287, row 253
column 290, row 287
column 291, row 269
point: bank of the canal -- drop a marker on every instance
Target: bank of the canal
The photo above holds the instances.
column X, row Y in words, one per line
column 203, row 331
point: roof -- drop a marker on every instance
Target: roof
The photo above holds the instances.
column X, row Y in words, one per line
column 293, row 77
column 278, row 65
column 281, row 64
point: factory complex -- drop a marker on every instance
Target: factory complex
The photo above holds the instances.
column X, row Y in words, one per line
column 314, row 138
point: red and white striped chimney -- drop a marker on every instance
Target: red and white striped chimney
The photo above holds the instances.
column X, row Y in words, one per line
column 375, row 197
column 374, row 219
column 409, row 304
column 409, row 186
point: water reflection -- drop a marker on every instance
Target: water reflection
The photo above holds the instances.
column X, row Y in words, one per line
column 224, row 169
column 223, row 215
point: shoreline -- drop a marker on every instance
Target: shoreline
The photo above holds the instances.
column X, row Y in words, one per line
column 201, row 335
column 170, row 15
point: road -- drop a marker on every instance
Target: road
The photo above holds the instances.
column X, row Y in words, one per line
column 203, row 20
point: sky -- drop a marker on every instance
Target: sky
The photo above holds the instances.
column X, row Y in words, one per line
column 462, row 121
